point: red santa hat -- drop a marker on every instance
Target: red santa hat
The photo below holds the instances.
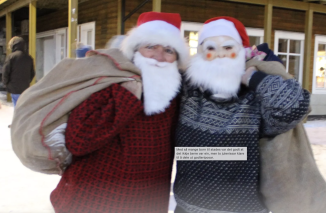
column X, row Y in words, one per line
column 156, row 28
column 224, row 26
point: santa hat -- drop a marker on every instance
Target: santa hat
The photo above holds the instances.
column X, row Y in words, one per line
column 224, row 26
column 156, row 28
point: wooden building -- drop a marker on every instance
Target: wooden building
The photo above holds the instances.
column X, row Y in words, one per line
column 295, row 30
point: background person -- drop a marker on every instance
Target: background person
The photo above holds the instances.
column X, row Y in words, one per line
column 18, row 69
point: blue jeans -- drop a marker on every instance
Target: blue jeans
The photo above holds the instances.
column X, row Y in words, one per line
column 14, row 98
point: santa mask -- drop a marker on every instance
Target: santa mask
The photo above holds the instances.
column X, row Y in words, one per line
column 220, row 62
column 218, row 66
column 161, row 83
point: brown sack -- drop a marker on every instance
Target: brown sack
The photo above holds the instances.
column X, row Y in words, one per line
column 290, row 181
column 46, row 105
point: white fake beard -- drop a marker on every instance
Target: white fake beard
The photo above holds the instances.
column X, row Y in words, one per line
column 161, row 83
column 221, row 76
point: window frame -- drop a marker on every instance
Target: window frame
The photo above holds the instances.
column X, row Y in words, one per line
column 291, row 36
column 318, row 39
column 190, row 26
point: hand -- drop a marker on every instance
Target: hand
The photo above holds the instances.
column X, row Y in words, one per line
column 247, row 75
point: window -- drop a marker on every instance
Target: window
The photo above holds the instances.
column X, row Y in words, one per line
column 288, row 47
column 190, row 31
column 319, row 74
column 256, row 36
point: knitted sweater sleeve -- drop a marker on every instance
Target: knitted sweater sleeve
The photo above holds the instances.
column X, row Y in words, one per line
column 283, row 103
column 100, row 118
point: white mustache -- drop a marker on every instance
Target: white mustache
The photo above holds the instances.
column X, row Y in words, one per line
column 160, row 84
column 154, row 62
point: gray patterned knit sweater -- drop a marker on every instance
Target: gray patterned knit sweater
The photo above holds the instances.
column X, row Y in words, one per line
column 269, row 106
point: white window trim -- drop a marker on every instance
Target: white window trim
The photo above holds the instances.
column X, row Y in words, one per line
column 322, row 39
column 294, row 36
column 89, row 25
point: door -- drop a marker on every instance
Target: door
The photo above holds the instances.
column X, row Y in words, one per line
column 51, row 48
column 61, row 44
column 48, row 54
column 45, row 54
column 86, row 34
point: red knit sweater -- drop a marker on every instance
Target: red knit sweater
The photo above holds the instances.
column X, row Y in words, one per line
column 122, row 159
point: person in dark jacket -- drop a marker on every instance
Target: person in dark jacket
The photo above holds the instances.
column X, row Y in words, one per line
column 18, row 69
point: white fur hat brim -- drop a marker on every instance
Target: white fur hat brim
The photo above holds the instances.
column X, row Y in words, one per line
column 219, row 27
column 154, row 33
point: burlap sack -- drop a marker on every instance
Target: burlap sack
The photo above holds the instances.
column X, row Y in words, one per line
column 46, row 105
column 290, row 181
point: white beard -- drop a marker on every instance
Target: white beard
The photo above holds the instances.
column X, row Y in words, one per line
column 161, row 83
column 221, row 76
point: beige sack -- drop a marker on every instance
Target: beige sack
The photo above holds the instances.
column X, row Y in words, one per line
column 290, row 181
column 46, row 105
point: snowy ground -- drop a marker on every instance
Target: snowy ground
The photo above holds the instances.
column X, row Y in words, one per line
column 316, row 131
column 25, row 191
